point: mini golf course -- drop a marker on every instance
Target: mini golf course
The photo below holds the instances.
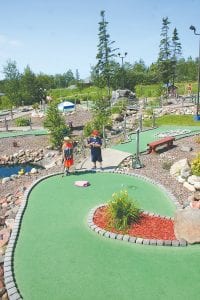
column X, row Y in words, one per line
column 23, row 133
column 153, row 135
column 58, row 257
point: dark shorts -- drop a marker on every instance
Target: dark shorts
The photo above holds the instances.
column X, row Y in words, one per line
column 96, row 157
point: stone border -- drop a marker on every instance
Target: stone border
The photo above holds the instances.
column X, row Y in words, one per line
column 132, row 239
column 9, row 276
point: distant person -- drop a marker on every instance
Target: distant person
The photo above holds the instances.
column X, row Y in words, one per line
column 70, row 124
column 95, row 143
column 67, row 154
column 189, row 88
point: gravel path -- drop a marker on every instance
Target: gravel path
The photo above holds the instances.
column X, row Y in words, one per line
column 153, row 166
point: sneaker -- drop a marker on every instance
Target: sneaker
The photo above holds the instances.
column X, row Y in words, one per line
column 94, row 168
column 101, row 168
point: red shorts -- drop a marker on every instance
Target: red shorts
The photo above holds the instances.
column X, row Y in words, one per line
column 68, row 162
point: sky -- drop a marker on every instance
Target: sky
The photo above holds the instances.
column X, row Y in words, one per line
column 53, row 36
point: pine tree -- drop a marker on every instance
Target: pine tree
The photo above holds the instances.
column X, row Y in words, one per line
column 176, row 52
column 164, row 60
column 105, row 52
column 56, row 125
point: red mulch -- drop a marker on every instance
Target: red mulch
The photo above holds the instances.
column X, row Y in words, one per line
column 148, row 227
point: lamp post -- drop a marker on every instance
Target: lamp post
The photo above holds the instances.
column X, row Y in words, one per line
column 197, row 117
column 122, row 56
column 43, row 98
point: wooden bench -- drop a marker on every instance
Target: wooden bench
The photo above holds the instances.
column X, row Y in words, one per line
column 168, row 141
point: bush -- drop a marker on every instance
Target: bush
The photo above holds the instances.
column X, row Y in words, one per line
column 195, row 165
column 122, row 211
column 22, row 122
column 166, row 165
column 197, row 139
column 55, row 123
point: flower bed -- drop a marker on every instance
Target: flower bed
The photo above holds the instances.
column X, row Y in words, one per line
column 148, row 227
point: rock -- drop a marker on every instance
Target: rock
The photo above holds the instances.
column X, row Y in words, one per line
column 197, row 185
column 1, row 255
column 5, row 234
column 14, row 176
column 189, row 187
column 9, row 223
column 176, row 168
column 193, row 179
column 2, row 289
column 34, row 171
column 186, row 148
column 5, row 179
column 5, row 296
column 187, row 225
column 195, row 204
column 185, row 172
column 197, row 195
column 181, row 179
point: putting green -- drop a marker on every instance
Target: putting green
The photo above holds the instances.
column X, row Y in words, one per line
column 152, row 135
column 23, row 133
column 58, row 257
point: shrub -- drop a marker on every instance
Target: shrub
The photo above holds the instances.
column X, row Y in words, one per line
column 22, row 122
column 195, row 165
column 166, row 165
column 122, row 210
column 55, row 123
column 197, row 139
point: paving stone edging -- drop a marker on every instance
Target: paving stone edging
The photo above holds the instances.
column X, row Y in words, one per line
column 134, row 239
column 9, row 277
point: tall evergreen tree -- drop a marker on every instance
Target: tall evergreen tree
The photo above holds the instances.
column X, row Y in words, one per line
column 164, row 60
column 105, row 53
column 77, row 76
column 29, row 87
column 176, row 52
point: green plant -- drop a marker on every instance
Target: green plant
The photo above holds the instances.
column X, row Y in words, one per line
column 166, row 165
column 197, row 139
column 22, row 122
column 55, row 123
column 122, row 210
column 195, row 165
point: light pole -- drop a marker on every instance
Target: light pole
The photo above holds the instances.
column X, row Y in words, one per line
column 197, row 117
column 122, row 56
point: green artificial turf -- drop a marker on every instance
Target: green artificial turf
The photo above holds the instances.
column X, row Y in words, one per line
column 58, row 257
column 148, row 136
column 23, row 133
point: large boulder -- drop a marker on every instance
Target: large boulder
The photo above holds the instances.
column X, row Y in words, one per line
column 119, row 94
column 179, row 168
column 187, row 225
